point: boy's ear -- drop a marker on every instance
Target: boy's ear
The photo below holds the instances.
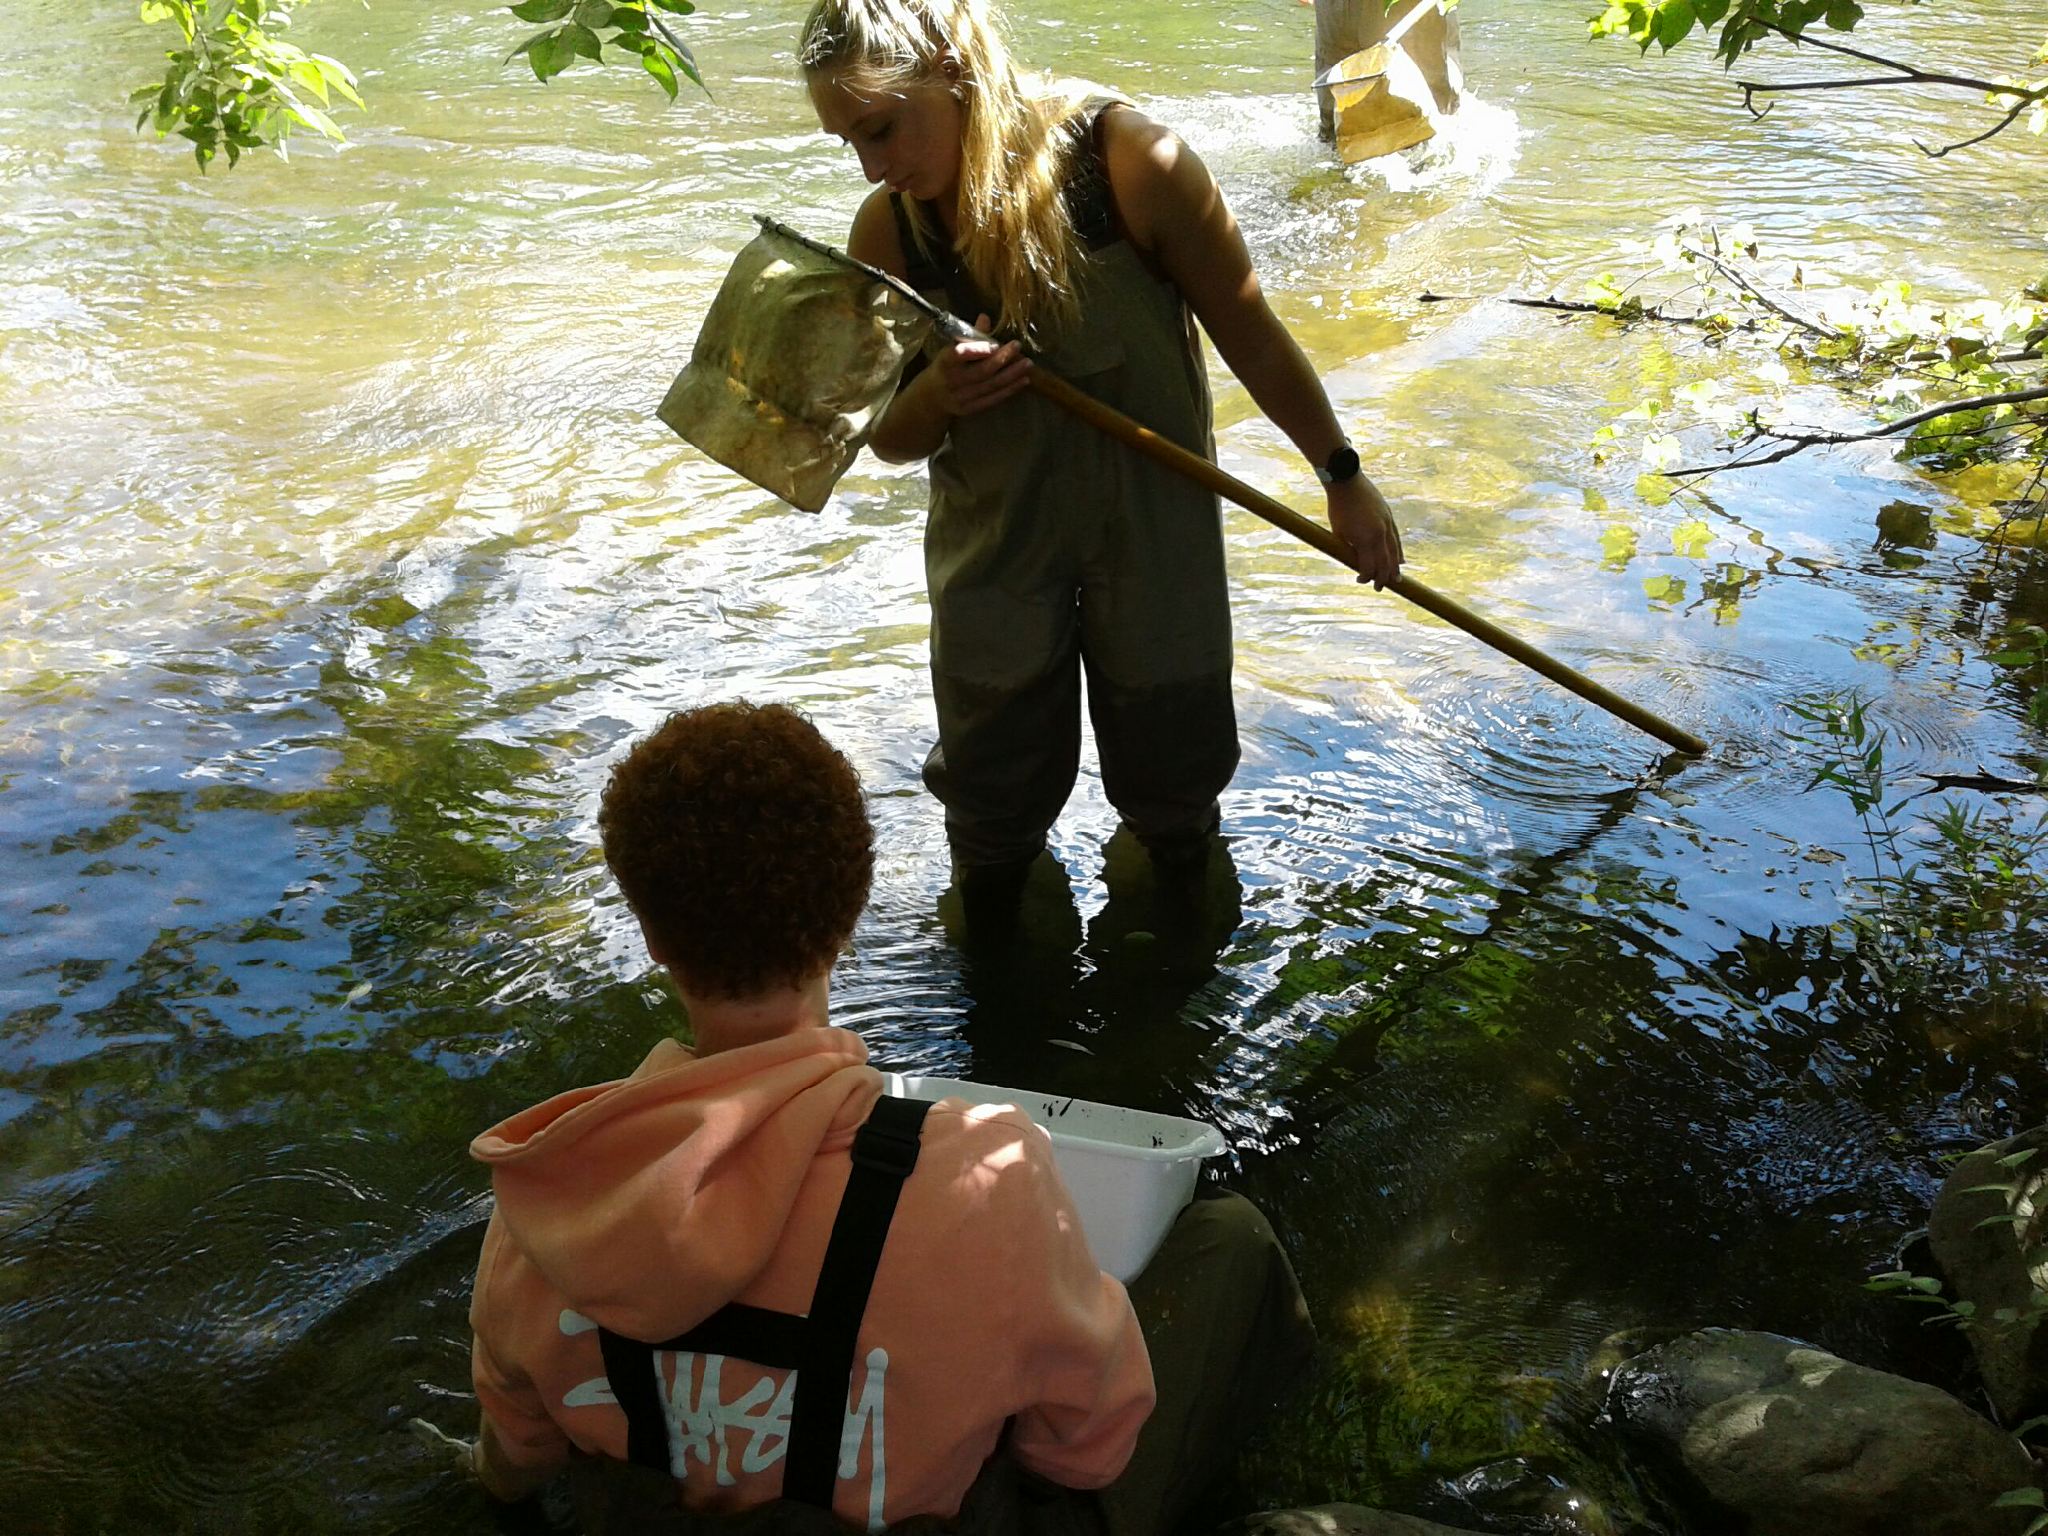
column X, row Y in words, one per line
column 656, row 950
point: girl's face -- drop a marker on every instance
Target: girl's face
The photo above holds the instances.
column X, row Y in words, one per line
column 906, row 135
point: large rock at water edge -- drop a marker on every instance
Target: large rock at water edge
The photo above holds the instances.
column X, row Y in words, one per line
column 1788, row 1440
column 1989, row 1226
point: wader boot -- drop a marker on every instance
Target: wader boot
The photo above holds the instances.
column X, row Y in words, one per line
column 1054, row 551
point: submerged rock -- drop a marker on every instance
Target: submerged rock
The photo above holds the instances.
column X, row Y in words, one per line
column 1617, row 1349
column 1789, row 1440
column 1336, row 1520
column 1987, row 1232
column 1523, row 1496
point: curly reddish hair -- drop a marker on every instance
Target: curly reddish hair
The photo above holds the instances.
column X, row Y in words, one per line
column 740, row 839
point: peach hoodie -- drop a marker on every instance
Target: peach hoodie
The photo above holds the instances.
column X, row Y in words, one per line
column 647, row 1204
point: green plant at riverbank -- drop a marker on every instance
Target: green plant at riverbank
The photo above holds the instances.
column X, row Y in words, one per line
column 1399, row 1402
column 2015, row 1186
column 1951, row 913
column 1959, row 1312
column 2026, row 653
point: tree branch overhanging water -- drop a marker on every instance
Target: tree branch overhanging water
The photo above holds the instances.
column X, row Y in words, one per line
column 1799, row 442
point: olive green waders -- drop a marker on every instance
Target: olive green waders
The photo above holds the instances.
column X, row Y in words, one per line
column 1229, row 1335
column 1054, row 550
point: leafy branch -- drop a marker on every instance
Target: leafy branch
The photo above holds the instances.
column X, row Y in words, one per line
column 234, row 85
column 1746, row 23
column 588, row 27
column 1983, row 356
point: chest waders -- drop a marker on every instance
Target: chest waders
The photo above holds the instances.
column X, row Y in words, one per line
column 819, row 1346
column 1053, row 551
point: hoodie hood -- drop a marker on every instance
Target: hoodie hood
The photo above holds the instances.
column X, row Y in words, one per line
column 687, row 1169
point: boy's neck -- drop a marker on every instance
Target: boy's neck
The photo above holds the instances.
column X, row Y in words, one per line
column 726, row 1023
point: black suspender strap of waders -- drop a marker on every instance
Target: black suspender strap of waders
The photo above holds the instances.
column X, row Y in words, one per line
column 819, row 1347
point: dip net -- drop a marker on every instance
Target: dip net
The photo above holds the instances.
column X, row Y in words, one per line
column 796, row 357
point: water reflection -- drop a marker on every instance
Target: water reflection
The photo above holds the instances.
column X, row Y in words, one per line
column 1103, row 1014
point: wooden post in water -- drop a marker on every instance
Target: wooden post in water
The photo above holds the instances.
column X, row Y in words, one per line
column 1343, row 27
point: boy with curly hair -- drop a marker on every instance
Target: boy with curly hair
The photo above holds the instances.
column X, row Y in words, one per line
column 748, row 1287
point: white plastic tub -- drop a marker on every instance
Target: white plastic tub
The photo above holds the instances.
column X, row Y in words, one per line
column 1130, row 1172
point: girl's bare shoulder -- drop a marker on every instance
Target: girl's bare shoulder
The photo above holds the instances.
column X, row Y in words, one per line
column 1156, row 177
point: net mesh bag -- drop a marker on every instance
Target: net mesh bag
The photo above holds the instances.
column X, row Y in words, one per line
column 796, row 357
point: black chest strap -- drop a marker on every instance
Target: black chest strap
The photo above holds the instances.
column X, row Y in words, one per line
column 819, row 1346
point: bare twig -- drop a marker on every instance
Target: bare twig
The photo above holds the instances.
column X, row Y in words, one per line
column 1952, row 407
column 1749, row 285
column 1799, row 442
column 1982, row 782
column 1903, row 74
column 2002, row 359
column 1750, row 88
column 62, row 1208
column 2027, row 99
column 1577, row 307
column 2034, row 500
column 1911, row 72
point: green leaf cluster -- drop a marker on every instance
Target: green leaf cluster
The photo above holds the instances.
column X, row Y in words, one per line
column 585, row 28
column 2017, row 1193
column 235, row 85
column 1743, row 23
column 2026, row 1498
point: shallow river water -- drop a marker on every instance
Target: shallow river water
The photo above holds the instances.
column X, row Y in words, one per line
column 343, row 553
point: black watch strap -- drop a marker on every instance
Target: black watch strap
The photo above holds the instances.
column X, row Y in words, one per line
column 1341, row 466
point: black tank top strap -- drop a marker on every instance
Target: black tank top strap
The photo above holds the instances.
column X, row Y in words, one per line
column 924, row 272
column 1091, row 204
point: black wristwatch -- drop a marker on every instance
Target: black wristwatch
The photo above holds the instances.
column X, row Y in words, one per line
column 1342, row 465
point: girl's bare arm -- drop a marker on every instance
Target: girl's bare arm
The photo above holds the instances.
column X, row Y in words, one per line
column 1174, row 211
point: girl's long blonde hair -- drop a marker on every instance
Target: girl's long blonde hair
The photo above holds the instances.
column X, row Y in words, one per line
column 1016, row 238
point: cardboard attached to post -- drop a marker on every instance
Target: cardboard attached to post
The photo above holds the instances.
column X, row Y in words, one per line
column 1380, row 100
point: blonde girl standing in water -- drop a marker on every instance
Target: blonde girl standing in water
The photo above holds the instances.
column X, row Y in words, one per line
column 1092, row 238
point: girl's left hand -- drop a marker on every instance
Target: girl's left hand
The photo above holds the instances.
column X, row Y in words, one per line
column 1360, row 516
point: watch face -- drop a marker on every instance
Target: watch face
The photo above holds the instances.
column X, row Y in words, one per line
column 1343, row 464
